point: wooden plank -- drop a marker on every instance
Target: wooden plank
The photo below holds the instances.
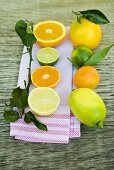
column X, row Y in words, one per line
column 95, row 149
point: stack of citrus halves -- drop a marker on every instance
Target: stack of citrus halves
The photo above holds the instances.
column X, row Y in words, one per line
column 44, row 100
column 85, row 34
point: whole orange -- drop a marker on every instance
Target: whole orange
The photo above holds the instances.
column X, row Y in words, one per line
column 86, row 76
column 85, row 33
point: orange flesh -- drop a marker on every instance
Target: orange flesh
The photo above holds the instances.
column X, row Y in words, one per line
column 45, row 76
column 50, row 31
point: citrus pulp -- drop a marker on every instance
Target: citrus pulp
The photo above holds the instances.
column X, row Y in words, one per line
column 47, row 56
column 49, row 33
column 43, row 101
column 45, row 76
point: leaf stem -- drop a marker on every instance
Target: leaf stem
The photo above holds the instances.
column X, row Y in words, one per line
column 21, row 113
column 22, row 53
column 29, row 73
column 79, row 16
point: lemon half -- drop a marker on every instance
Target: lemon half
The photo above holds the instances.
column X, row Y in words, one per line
column 43, row 101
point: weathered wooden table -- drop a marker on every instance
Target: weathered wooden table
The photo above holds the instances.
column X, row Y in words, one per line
column 95, row 149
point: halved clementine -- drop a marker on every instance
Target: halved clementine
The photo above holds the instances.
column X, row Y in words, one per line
column 45, row 76
column 49, row 33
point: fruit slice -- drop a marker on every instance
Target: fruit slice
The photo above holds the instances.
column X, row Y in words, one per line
column 43, row 101
column 45, row 76
column 49, row 33
column 47, row 56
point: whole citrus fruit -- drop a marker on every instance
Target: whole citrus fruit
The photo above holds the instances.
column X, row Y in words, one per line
column 85, row 33
column 88, row 107
column 86, row 76
column 80, row 55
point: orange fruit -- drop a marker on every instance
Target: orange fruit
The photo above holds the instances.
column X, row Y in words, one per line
column 86, row 76
column 45, row 76
column 49, row 33
column 85, row 33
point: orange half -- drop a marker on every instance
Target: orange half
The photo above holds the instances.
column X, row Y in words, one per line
column 49, row 33
column 45, row 76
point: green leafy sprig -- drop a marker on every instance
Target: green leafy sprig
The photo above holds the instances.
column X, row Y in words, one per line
column 92, row 60
column 19, row 98
column 92, row 15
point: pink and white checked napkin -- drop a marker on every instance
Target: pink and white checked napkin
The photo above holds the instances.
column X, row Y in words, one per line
column 62, row 125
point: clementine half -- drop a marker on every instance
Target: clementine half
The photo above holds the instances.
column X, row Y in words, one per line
column 45, row 76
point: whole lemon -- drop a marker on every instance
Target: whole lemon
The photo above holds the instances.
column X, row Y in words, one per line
column 88, row 107
column 86, row 33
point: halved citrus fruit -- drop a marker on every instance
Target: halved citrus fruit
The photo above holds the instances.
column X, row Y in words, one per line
column 43, row 101
column 49, row 33
column 45, row 76
column 47, row 56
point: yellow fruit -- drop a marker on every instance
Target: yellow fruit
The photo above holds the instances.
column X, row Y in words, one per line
column 43, row 101
column 88, row 107
column 85, row 33
column 49, row 33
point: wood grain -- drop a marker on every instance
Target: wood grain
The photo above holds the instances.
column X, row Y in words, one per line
column 95, row 149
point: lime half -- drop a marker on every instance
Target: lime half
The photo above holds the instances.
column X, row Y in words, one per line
column 43, row 101
column 47, row 56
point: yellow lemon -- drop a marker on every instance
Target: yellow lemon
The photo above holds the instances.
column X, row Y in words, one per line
column 85, row 33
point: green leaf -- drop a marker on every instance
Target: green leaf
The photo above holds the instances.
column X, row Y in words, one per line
column 98, row 56
column 81, row 58
column 29, row 117
column 30, row 40
column 29, row 28
column 80, row 55
column 95, row 16
column 12, row 103
column 19, row 98
column 40, row 125
column 20, row 29
column 25, row 31
column 11, row 115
